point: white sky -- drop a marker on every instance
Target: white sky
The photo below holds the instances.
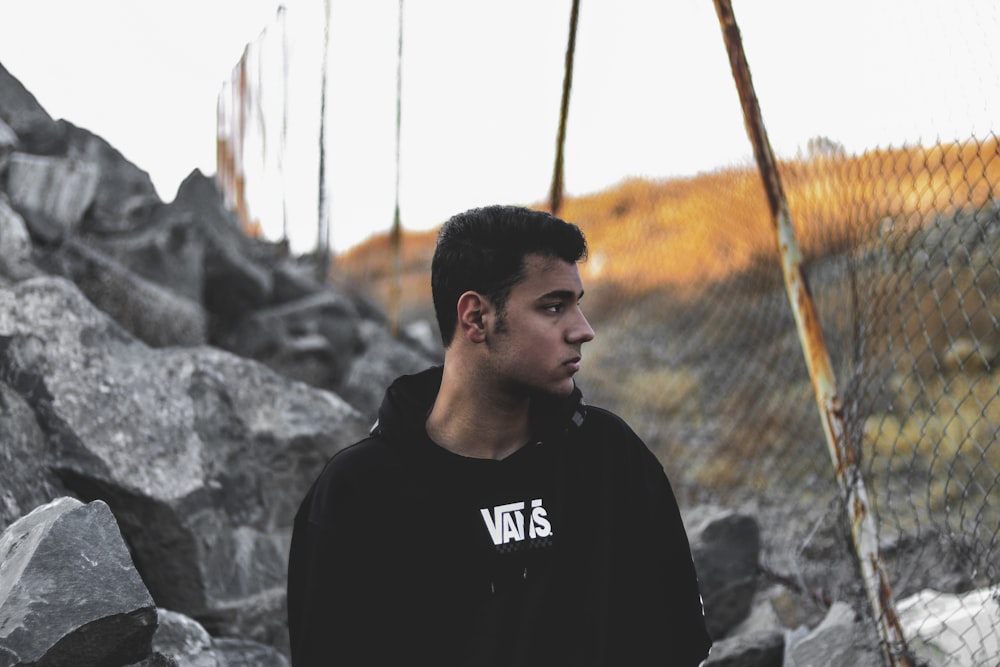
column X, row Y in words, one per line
column 652, row 92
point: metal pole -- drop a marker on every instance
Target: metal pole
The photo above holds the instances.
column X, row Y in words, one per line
column 323, row 219
column 556, row 192
column 283, row 145
column 863, row 529
column 396, row 236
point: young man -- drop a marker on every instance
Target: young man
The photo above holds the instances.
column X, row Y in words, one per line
column 492, row 518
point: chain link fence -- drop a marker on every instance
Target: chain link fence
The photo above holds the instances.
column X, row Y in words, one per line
column 697, row 348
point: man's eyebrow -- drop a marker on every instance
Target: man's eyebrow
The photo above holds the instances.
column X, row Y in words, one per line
column 561, row 294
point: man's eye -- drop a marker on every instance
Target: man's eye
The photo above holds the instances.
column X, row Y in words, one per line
column 554, row 307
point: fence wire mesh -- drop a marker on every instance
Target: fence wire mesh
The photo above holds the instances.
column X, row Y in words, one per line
column 902, row 254
column 902, row 248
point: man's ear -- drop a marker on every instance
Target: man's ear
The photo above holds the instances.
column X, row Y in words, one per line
column 471, row 307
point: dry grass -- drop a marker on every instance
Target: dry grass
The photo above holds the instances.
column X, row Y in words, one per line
column 684, row 233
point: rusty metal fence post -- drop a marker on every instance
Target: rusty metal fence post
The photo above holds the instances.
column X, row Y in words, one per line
column 845, row 459
column 556, row 190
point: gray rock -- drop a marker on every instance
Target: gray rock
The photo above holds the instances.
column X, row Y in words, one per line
column 836, row 642
column 25, row 480
column 247, row 653
column 293, row 281
column 312, row 339
column 183, row 640
column 202, row 455
column 124, row 194
column 155, row 659
column 383, row 360
column 68, row 591
column 725, row 546
column 759, row 649
column 56, row 190
column 234, row 284
column 20, row 110
column 762, row 617
column 156, row 315
column 424, row 334
column 8, row 142
column 167, row 252
column 15, row 244
column 947, row 630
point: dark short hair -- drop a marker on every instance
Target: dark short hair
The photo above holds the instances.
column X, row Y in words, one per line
column 483, row 250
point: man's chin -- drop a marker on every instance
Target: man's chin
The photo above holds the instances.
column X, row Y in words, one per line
column 557, row 390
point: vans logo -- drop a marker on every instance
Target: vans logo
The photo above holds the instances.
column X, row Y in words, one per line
column 513, row 523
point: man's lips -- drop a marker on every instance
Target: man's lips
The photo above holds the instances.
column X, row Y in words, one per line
column 572, row 364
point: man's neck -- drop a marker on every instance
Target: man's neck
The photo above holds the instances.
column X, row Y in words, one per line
column 476, row 421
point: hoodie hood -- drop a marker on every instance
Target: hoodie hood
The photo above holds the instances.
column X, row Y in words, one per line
column 409, row 400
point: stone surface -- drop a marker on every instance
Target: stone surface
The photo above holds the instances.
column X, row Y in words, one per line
column 8, row 142
column 836, row 642
column 25, row 480
column 247, row 653
column 312, row 339
column 183, row 640
column 124, row 194
column 758, row 649
column 56, row 190
column 156, row 315
column 202, row 455
column 15, row 244
column 948, row 630
column 725, row 546
column 380, row 362
column 69, row 593
column 235, row 283
column 20, row 110
column 169, row 253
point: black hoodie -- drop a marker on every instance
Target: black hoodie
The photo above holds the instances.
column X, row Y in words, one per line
column 571, row 551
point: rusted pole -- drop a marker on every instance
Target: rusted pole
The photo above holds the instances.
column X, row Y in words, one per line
column 396, row 236
column 323, row 215
column 864, row 532
column 556, row 191
column 283, row 145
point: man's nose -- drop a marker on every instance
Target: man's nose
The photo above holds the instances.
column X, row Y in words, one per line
column 581, row 331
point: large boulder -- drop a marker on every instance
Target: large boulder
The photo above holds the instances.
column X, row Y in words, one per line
column 381, row 359
column 757, row 649
column 8, row 142
column 19, row 110
column 313, row 339
column 25, row 479
column 167, row 252
column 203, row 456
column 15, row 244
column 234, row 282
column 69, row 594
column 725, row 546
column 839, row 641
column 155, row 314
column 124, row 195
column 952, row 630
column 51, row 192
column 181, row 641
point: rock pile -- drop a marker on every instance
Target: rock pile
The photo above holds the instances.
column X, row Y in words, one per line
column 166, row 383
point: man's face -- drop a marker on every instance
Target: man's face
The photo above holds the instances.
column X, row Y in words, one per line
column 535, row 347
